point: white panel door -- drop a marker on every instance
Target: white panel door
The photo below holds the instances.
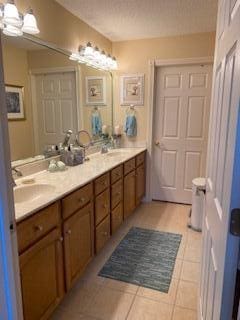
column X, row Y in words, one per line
column 180, row 130
column 56, row 107
column 220, row 248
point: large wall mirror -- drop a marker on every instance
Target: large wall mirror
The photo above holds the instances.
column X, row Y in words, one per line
column 48, row 94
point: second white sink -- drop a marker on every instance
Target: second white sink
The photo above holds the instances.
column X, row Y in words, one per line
column 31, row 192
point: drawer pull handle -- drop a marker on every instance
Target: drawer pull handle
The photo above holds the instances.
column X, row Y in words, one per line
column 69, row 232
column 39, row 228
column 82, row 200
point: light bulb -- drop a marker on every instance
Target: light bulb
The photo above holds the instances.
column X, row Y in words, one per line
column 30, row 23
column 96, row 53
column 88, row 50
column 1, row 17
column 103, row 57
column 12, row 31
column 11, row 15
column 114, row 64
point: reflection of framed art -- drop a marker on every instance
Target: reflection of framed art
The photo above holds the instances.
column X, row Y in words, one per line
column 14, row 101
column 132, row 89
column 95, row 90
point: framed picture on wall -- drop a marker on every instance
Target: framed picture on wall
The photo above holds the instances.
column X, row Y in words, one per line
column 14, row 101
column 132, row 89
column 95, row 90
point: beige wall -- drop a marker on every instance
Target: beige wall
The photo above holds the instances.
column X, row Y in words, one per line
column 59, row 26
column 133, row 57
column 16, row 73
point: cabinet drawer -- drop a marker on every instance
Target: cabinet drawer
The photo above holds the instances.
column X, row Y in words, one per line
column 102, row 183
column 102, row 206
column 116, row 217
column 116, row 193
column 77, row 200
column 38, row 225
column 140, row 158
column 116, row 174
column 129, row 166
column 102, row 233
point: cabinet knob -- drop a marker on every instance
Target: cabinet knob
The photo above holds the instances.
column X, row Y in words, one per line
column 105, row 206
column 61, row 239
column 82, row 200
column 38, row 228
column 119, row 193
column 69, row 232
column 105, row 233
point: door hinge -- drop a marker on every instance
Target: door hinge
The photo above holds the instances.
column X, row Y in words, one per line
column 11, row 227
column 235, row 222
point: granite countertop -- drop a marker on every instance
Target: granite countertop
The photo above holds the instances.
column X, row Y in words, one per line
column 73, row 178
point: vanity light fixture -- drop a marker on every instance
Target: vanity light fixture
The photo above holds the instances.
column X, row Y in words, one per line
column 30, row 23
column 14, row 23
column 94, row 57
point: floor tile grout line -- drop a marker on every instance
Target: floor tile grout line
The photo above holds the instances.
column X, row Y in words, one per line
column 134, row 298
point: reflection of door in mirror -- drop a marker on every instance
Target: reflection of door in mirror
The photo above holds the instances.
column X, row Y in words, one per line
column 55, row 95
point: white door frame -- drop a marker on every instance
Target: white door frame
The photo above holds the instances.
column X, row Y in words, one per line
column 78, row 80
column 152, row 67
column 10, row 288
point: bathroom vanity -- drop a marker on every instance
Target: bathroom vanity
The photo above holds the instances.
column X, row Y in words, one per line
column 59, row 234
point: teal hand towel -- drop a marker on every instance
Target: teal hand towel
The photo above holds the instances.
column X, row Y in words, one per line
column 96, row 124
column 131, row 126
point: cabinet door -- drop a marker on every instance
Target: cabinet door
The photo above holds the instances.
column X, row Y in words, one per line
column 102, row 206
column 129, row 193
column 78, row 243
column 140, row 183
column 116, row 217
column 41, row 271
column 102, row 233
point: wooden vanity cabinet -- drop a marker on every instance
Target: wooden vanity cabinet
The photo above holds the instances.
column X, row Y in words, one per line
column 129, row 188
column 129, row 194
column 102, row 234
column 140, row 178
column 78, row 243
column 57, row 243
column 102, row 210
column 116, row 198
column 42, row 276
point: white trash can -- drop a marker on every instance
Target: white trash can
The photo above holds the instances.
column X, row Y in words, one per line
column 198, row 196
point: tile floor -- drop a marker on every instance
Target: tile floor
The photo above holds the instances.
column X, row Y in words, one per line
column 97, row 298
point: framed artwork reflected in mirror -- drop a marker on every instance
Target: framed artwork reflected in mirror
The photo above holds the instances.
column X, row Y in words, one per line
column 14, row 102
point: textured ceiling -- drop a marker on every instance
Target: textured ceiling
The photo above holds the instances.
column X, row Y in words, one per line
column 138, row 19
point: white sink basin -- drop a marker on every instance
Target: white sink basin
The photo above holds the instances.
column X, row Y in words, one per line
column 31, row 192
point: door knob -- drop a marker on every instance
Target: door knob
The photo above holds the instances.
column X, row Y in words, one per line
column 157, row 143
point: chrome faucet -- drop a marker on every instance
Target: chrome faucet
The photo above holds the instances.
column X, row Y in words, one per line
column 67, row 138
column 104, row 149
column 18, row 172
